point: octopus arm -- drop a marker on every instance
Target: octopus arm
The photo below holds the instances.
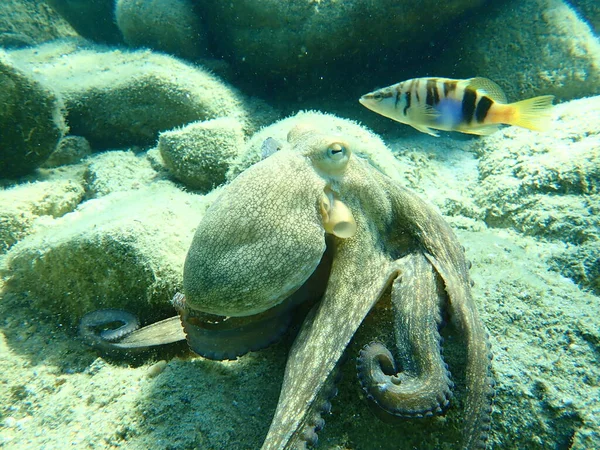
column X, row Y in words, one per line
column 443, row 250
column 479, row 379
column 356, row 282
column 423, row 387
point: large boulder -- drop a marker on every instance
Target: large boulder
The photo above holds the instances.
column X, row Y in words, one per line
column 31, row 120
column 547, row 185
column 529, row 48
column 124, row 250
column 304, row 44
column 24, row 23
column 171, row 26
column 119, row 98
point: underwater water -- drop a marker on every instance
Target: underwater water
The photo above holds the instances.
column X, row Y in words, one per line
column 219, row 149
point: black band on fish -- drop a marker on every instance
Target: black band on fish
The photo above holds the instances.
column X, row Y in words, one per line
column 482, row 108
column 433, row 97
column 449, row 87
column 468, row 105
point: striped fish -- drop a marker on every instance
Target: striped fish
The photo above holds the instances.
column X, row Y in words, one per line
column 474, row 106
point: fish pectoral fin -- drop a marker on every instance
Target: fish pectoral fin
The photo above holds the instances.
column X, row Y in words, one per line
column 424, row 129
column 423, row 113
column 421, row 116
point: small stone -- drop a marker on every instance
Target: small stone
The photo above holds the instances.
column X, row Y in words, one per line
column 156, row 369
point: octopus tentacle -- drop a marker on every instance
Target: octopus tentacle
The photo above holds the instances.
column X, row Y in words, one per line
column 324, row 336
column 479, row 378
column 442, row 249
column 220, row 338
column 423, row 387
column 94, row 320
column 127, row 336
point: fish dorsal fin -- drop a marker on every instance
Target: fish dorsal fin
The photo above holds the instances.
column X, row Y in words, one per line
column 487, row 86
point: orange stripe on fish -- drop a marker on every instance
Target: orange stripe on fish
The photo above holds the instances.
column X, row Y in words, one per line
column 474, row 106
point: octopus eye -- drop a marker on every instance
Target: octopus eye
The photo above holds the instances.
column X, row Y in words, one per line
column 337, row 151
column 331, row 157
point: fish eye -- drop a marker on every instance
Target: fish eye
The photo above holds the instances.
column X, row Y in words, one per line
column 337, row 151
column 377, row 96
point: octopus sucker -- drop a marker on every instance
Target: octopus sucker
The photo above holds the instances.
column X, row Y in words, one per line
column 315, row 233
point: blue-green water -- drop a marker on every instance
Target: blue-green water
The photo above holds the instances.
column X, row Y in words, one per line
column 121, row 122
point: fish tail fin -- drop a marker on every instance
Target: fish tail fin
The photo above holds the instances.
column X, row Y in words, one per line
column 533, row 113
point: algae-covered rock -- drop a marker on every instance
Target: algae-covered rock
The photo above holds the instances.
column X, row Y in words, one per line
column 171, row 26
column 31, row 120
column 581, row 263
column 24, row 204
column 117, row 171
column 124, row 250
column 547, row 184
column 117, row 99
column 529, row 48
column 304, row 43
column 200, row 153
column 372, row 146
column 590, row 11
column 25, row 22
column 70, row 150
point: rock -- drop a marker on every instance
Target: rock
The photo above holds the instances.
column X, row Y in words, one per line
column 118, row 171
column 116, row 99
column 545, row 184
column 548, row 184
column 24, row 205
column 70, row 150
column 170, row 26
column 92, row 19
column 31, row 120
column 309, row 44
column 124, row 250
column 529, row 48
column 589, row 10
column 24, row 23
column 200, row 153
column 581, row 263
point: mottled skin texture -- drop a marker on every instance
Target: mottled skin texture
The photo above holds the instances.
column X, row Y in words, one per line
column 265, row 236
column 313, row 222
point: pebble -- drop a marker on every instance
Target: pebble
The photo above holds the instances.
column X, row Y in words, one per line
column 156, row 369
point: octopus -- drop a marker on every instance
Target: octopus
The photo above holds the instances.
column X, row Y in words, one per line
column 315, row 229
